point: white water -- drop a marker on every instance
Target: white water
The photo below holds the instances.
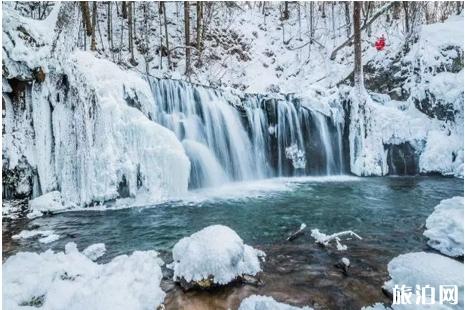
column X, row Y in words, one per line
column 228, row 138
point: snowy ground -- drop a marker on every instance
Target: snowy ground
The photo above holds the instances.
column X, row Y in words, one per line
column 72, row 280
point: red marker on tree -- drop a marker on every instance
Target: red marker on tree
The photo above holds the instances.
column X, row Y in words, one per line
column 380, row 43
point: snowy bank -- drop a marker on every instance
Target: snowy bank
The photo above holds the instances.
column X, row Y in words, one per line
column 70, row 280
column 257, row 302
column 444, row 227
column 423, row 269
column 214, row 255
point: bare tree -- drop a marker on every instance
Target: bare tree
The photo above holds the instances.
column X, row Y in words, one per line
column 347, row 15
column 93, row 42
column 358, row 69
column 166, row 34
column 187, row 36
column 86, row 17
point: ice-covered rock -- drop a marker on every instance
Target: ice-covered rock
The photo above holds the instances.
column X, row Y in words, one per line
column 444, row 227
column 70, row 280
column 257, row 302
column 47, row 236
column 325, row 239
column 423, row 269
column 214, row 255
column 94, row 251
column 50, row 202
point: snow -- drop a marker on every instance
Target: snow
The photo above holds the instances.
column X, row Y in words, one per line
column 444, row 227
column 325, row 240
column 70, row 280
column 422, row 269
column 48, row 235
column 215, row 251
column 257, row 302
column 345, row 261
column 94, row 251
column 376, row 306
column 49, row 202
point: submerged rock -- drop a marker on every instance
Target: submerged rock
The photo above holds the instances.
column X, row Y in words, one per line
column 257, row 302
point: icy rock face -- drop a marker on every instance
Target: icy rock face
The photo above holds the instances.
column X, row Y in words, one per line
column 49, row 202
column 85, row 128
column 421, row 104
column 257, row 302
column 214, row 255
column 444, row 227
column 70, row 280
column 423, row 269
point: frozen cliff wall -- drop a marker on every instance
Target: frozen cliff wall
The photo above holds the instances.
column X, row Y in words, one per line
column 413, row 120
column 80, row 125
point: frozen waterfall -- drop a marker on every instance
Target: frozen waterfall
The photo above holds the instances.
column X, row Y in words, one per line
column 234, row 138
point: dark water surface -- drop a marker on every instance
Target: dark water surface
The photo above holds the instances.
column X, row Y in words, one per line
column 389, row 213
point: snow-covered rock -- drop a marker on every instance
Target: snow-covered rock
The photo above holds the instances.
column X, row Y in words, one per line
column 423, row 269
column 48, row 236
column 325, row 239
column 94, row 251
column 376, row 306
column 444, row 227
column 50, row 202
column 70, row 280
column 257, row 302
column 214, row 255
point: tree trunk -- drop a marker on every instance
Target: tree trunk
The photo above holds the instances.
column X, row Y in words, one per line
column 109, row 27
column 187, row 36
column 86, row 17
column 358, row 69
column 347, row 14
column 286, row 11
column 93, row 42
column 405, row 6
column 124, row 9
column 199, row 6
column 166, row 35
column 130, row 24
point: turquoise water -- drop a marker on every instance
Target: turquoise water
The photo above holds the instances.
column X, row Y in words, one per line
column 387, row 212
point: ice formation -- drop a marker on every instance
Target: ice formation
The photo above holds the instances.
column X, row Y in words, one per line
column 94, row 251
column 444, row 227
column 70, row 280
column 91, row 134
column 423, row 269
column 215, row 252
column 257, row 302
column 47, row 236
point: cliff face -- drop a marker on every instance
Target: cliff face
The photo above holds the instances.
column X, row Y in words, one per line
column 68, row 127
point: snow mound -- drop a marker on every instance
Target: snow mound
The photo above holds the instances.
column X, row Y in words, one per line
column 423, row 269
column 445, row 227
column 376, row 306
column 94, row 251
column 70, row 280
column 48, row 236
column 49, row 202
column 257, row 302
column 215, row 252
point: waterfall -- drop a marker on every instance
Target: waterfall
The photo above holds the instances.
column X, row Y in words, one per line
column 229, row 137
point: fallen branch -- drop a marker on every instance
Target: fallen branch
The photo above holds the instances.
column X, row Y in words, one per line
column 324, row 239
column 298, row 233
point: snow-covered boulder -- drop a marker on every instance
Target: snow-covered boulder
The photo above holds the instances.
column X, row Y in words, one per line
column 421, row 268
column 70, row 280
column 216, row 255
column 257, row 302
column 444, row 227
column 49, row 202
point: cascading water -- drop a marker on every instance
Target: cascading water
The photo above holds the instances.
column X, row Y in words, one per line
column 232, row 138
